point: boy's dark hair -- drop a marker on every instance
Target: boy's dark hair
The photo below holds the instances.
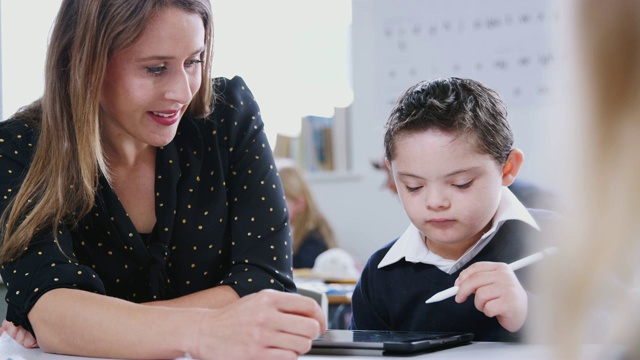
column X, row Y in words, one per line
column 461, row 106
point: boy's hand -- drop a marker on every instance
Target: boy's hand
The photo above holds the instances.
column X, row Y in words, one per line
column 497, row 293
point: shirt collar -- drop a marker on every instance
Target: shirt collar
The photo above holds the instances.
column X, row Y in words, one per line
column 411, row 247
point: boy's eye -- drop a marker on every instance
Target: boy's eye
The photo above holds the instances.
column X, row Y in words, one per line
column 463, row 186
column 413, row 189
column 156, row 70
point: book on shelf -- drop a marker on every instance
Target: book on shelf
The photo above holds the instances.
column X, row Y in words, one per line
column 340, row 139
column 315, row 137
column 286, row 147
column 325, row 142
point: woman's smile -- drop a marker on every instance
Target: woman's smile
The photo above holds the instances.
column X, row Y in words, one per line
column 165, row 117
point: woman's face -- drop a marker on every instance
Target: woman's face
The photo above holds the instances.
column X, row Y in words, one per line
column 149, row 85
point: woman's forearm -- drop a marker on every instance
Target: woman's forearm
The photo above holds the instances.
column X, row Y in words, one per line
column 213, row 298
column 267, row 324
column 77, row 322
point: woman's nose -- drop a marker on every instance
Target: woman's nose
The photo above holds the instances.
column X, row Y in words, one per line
column 179, row 88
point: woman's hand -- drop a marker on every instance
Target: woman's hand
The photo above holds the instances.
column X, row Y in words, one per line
column 19, row 334
column 265, row 325
column 498, row 293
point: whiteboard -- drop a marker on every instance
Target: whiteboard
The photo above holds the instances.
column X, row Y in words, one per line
column 505, row 44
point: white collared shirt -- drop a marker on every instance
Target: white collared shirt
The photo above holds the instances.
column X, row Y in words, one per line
column 410, row 245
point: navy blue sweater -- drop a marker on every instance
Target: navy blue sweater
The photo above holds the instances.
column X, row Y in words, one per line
column 312, row 246
column 393, row 297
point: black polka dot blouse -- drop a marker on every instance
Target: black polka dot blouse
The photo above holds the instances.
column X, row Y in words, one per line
column 221, row 217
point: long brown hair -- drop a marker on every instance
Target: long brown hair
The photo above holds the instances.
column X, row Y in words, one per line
column 61, row 182
column 310, row 218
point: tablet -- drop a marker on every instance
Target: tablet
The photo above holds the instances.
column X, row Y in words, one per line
column 344, row 342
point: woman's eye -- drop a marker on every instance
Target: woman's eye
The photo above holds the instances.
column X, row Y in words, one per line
column 413, row 189
column 191, row 63
column 156, row 70
column 463, row 186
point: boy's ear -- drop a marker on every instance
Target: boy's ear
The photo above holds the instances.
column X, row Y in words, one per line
column 391, row 182
column 511, row 167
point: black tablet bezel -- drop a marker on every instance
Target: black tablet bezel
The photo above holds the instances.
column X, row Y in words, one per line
column 390, row 341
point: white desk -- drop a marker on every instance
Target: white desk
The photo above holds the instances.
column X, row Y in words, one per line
column 476, row 351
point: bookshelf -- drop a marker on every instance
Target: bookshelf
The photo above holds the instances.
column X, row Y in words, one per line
column 322, row 147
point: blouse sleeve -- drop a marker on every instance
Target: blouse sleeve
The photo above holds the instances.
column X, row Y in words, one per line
column 44, row 265
column 261, row 254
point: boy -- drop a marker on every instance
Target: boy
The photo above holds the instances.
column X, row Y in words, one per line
column 448, row 145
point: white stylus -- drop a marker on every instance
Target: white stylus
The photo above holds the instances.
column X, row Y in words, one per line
column 452, row 291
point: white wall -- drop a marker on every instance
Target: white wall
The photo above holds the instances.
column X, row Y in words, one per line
column 24, row 41
column 293, row 54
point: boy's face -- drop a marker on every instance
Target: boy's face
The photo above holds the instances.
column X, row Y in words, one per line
column 448, row 189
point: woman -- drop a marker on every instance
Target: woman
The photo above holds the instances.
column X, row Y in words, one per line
column 137, row 207
column 312, row 233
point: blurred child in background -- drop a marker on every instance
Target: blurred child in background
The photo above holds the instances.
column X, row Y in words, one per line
column 594, row 282
column 312, row 233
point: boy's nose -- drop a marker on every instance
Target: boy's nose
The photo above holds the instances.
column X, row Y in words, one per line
column 436, row 200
